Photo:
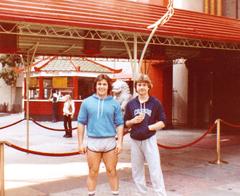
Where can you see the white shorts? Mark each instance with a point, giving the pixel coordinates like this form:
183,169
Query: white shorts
101,144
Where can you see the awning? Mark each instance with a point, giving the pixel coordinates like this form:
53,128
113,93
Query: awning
100,28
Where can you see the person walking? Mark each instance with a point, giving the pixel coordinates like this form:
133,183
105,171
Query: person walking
102,116
145,115
68,114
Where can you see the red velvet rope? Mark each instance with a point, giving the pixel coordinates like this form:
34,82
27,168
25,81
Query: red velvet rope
37,123
41,153
12,124
50,128
45,153
189,144
229,124
76,152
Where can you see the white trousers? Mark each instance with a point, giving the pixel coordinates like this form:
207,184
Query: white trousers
147,150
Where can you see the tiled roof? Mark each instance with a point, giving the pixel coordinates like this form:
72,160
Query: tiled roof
59,65
64,64
91,66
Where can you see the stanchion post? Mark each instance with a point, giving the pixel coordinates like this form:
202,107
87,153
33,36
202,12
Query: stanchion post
218,161
2,189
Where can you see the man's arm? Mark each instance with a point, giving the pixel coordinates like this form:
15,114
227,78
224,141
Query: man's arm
120,138
81,130
161,118
156,126
137,119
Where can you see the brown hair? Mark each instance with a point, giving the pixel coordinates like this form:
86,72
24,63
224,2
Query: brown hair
143,78
103,77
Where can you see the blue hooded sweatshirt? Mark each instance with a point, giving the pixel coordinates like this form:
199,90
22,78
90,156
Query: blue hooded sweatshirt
153,111
101,116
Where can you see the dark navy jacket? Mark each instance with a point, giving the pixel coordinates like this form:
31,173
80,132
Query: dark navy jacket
153,111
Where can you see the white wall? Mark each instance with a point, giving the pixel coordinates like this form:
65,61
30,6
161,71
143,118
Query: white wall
194,5
8,93
180,94
5,93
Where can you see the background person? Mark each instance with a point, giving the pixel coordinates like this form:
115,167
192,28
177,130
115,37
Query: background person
54,97
144,115
68,113
102,115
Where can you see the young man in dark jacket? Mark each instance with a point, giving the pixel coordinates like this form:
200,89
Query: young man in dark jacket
145,115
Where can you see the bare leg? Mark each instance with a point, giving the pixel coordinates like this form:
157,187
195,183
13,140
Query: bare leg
110,160
94,160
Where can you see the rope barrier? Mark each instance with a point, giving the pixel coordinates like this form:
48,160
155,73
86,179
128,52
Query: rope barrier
218,161
41,153
50,128
37,123
188,144
229,124
12,124
75,153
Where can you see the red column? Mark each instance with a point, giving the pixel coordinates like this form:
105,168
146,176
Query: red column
40,83
75,88
161,77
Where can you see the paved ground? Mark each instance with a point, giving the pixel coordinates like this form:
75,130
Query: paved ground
186,171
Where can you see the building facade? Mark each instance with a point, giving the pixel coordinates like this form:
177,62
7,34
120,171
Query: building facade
208,88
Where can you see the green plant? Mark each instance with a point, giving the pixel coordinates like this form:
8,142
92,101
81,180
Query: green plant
9,63
9,76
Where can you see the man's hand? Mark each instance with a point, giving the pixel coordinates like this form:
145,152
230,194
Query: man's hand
138,119
118,147
82,149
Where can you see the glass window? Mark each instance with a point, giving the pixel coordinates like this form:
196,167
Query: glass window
70,82
33,83
59,82
47,87
47,83
34,93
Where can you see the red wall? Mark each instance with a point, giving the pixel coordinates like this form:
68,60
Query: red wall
8,42
42,110
161,77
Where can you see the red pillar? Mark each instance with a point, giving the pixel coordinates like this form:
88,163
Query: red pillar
75,88
161,77
40,82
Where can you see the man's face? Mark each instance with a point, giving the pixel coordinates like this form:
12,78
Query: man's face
102,88
142,88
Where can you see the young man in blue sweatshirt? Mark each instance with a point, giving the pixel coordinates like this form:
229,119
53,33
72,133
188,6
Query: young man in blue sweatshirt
102,116
145,115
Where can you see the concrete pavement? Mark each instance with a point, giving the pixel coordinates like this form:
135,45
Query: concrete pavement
186,171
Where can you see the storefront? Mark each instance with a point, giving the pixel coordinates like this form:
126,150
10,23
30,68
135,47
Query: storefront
74,77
